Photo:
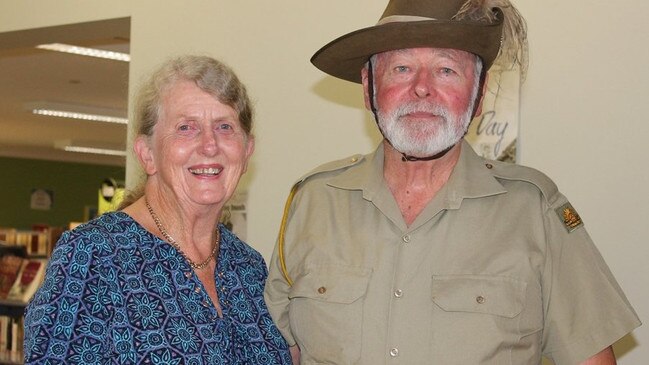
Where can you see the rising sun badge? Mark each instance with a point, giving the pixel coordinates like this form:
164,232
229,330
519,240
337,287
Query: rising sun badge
569,217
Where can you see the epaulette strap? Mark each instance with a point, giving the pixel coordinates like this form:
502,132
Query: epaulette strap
282,231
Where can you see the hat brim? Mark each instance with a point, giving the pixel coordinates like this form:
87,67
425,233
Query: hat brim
345,56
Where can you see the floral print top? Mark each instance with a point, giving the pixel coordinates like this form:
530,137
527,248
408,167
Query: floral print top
116,294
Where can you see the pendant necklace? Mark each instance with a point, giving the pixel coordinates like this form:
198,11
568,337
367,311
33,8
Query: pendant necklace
175,245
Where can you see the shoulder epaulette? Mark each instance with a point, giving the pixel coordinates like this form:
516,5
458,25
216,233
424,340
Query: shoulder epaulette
332,166
513,172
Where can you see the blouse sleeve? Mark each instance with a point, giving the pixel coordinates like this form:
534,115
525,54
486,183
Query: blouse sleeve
66,320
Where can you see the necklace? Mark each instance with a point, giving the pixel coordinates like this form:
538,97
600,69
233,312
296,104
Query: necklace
175,245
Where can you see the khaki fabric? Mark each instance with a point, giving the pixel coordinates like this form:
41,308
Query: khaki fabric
487,274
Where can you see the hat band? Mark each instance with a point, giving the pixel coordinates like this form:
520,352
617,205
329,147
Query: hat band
402,19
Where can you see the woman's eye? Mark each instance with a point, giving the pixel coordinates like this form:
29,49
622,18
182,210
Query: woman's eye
184,127
225,127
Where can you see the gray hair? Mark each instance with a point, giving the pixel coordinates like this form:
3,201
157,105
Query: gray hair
209,74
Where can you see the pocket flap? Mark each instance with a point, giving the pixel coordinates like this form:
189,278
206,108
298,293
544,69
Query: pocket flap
331,283
497,295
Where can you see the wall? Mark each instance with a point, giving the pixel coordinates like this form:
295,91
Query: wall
74,186
581,115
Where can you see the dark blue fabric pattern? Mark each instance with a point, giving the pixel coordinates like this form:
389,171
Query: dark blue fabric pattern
116,294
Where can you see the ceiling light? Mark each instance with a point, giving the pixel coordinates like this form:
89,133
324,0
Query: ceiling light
99,151
89,147
82,112
83,51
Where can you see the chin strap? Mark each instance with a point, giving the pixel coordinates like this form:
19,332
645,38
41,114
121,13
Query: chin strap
408,158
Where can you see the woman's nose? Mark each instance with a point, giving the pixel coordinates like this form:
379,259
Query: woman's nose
209,144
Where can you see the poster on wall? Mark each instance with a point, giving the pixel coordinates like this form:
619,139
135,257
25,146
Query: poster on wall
493,133
234,214
41,199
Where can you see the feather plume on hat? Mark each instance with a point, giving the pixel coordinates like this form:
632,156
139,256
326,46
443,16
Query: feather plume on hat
514,48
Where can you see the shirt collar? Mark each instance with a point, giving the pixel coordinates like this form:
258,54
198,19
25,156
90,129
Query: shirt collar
472,177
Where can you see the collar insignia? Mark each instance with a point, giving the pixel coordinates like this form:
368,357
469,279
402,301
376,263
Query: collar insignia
569,217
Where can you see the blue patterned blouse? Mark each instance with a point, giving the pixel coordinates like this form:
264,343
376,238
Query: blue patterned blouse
116,294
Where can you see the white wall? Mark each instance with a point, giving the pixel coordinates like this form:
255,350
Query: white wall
582,112
583,118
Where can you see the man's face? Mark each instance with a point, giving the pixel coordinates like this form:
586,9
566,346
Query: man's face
424,96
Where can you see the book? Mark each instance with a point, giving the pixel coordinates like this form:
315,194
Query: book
29,278
10,266
4,332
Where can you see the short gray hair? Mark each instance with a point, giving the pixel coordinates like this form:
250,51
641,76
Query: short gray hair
209,74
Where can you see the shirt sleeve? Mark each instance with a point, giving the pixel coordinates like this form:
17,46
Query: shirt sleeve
585,308
276,297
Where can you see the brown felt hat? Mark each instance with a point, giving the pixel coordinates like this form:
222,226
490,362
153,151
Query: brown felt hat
411,24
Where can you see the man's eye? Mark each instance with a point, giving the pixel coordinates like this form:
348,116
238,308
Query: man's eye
447,71
401,68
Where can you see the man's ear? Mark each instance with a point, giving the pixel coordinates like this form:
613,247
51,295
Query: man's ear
366,93
478,108
144,154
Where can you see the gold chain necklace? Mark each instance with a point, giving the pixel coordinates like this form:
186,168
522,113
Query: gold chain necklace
175,245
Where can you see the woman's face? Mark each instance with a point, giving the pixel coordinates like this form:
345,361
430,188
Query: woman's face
198,149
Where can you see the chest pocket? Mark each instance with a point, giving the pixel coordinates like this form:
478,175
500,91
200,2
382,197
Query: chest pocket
326,313
495,295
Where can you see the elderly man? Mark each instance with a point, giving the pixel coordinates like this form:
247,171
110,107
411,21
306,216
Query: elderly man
423,252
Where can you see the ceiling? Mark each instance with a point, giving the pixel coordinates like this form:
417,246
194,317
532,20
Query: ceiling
29,75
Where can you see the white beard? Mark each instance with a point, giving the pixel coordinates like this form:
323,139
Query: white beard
423,138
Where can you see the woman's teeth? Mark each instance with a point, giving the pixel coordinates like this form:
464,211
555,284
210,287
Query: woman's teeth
206,171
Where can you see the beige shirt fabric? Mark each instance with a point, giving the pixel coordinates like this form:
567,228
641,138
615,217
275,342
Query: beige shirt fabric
489,272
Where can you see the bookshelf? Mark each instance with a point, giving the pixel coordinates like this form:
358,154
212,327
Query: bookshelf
21,272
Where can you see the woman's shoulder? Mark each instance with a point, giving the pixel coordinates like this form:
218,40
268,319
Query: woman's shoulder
101,233
237,248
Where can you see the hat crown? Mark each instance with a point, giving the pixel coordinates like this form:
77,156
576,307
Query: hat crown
434,9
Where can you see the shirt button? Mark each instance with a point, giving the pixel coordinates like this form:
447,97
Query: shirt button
406,238
489,166
480,299
398,293
322,290
394,352
188,274
206,304
197,289
354,159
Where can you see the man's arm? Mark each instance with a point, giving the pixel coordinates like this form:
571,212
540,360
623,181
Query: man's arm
604,357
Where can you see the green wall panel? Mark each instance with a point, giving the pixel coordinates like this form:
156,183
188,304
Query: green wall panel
75,186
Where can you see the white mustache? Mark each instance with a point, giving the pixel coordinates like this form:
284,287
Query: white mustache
410,108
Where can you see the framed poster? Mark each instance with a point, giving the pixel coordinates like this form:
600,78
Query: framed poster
493,134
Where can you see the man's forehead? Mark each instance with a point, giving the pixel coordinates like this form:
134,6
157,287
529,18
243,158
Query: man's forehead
450,53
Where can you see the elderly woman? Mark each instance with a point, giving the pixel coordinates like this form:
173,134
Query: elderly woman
161,281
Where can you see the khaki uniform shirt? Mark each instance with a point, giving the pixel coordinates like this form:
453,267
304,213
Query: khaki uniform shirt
497,269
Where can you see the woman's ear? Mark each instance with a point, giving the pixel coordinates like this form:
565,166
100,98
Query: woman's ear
144,154
250,148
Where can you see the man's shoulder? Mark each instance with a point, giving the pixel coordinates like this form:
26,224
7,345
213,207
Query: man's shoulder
332,168
512,173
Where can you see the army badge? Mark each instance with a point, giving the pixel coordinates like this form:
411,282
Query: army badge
569,217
